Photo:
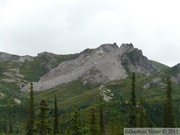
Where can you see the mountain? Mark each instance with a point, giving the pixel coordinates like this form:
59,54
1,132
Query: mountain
17,71
86,70
103,64
80,78
160,66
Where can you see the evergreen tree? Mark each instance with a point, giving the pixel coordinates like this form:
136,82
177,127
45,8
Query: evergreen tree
75,120
68,129
56,117
143,119
119,130
5,126
141,115
133,92
10,125
164,116
31,113
93,123
115,125
112,125
132,122
101,121
42,123
147,121
168,114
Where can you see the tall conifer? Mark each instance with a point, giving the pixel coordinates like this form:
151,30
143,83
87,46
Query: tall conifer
141,115
31,113
132,122
42,123
76,120
56,117
93,123
168,114
101,120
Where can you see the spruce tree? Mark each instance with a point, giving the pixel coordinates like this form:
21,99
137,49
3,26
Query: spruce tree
101,120
10,125
141,115
93,123
42,123
56,117
115,125
119,130
133,87
5,126
164,116
31,113
168,115
147,120
143,119
132,122
76,120
112,126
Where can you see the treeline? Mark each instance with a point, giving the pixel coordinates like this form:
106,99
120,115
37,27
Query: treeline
103,118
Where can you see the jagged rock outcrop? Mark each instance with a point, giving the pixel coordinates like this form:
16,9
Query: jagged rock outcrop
105,63
135,61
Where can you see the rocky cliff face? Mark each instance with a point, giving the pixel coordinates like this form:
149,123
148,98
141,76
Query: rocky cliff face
105,63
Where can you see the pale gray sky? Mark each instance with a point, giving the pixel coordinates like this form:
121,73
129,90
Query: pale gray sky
28,27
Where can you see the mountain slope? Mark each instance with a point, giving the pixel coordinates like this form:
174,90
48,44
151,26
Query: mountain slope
105,63
16,71
160,66
104,71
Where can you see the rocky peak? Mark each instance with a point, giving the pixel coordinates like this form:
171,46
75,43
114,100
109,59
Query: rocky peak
108,47
125,47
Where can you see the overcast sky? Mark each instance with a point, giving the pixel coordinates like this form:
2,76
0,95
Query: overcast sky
28,27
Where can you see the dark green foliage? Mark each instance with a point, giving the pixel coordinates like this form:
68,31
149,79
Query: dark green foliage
164,117
141,115
119,129
31,113
76,121
93,124
143,119
115,125
112,125
133,94
147,121
168,115
5,127
10,125
132,121
56,117
43,126
101,116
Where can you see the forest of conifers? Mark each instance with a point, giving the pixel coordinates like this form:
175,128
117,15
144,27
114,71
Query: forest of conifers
103,118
